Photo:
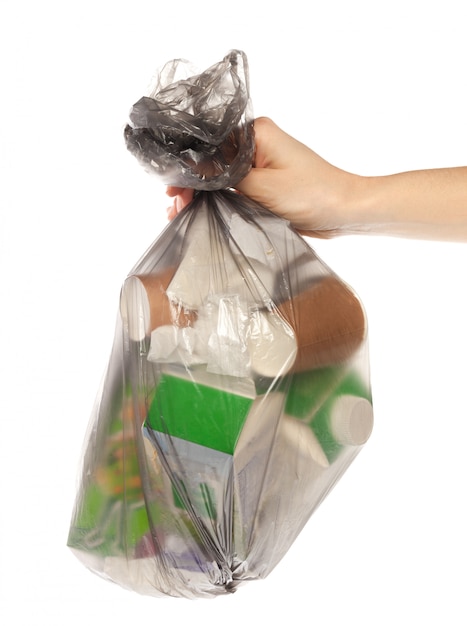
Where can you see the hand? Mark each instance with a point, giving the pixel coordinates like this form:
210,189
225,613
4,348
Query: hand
181,197
289,179
322,200
295,183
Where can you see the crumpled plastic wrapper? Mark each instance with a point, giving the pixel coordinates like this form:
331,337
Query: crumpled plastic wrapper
238,389
196,130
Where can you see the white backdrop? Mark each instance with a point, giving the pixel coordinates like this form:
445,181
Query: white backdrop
374,87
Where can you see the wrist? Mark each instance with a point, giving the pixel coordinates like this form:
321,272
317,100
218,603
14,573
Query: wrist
361,209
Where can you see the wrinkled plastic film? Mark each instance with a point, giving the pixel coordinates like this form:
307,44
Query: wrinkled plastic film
196,130
237,393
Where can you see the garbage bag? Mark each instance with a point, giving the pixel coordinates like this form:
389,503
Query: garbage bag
238,388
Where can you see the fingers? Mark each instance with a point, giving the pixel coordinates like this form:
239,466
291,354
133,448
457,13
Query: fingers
173,191
181,196
274,149
171,212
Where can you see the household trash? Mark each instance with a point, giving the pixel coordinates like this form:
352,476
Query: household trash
238,388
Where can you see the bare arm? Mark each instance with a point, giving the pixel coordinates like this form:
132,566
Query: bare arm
426,204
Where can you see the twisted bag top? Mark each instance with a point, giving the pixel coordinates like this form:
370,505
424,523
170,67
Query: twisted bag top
196,131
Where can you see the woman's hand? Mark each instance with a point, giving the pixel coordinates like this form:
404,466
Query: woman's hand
322,200
289,179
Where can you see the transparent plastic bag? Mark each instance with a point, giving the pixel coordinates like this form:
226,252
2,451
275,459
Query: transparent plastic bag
237,393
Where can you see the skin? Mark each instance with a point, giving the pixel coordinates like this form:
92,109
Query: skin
324,201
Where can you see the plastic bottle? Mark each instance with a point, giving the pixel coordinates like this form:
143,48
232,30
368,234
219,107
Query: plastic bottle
336,405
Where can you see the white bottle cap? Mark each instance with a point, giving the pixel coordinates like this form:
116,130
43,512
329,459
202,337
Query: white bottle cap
351,420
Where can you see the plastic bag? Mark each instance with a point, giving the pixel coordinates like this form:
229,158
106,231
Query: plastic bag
196,130
237,391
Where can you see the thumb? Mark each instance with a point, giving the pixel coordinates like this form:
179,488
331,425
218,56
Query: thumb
258,185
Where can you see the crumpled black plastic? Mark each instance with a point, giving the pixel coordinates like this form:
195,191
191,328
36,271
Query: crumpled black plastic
196,131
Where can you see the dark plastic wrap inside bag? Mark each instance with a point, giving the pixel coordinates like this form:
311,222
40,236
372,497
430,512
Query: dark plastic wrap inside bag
237,391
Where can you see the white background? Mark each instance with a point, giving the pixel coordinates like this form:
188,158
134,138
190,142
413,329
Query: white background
374,87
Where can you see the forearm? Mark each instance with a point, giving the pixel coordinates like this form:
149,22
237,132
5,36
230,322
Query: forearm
428,204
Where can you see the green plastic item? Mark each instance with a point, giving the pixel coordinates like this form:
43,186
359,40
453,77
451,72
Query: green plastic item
206,415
